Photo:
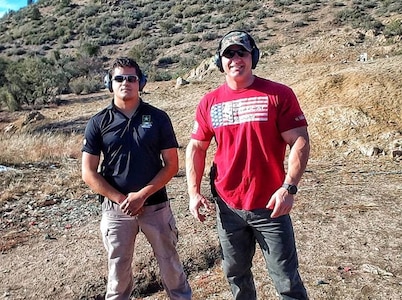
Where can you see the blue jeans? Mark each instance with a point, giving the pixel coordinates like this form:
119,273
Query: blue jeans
119,232
238,231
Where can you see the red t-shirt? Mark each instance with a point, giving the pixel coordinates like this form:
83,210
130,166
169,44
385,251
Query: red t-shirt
247,126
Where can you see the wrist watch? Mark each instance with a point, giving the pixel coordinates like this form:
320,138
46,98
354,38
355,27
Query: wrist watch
292,189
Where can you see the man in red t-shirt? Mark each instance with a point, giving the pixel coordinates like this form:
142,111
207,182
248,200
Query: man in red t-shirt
253,120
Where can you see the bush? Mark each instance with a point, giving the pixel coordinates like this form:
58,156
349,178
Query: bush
90,49
162,76
210,36
357,18
165,61
299,23
143,53
192,11
188,63
35,14
7,99
84,85
31,79
271,49
394,28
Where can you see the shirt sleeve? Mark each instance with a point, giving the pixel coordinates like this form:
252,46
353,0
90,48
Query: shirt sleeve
202,128
290,113
92,138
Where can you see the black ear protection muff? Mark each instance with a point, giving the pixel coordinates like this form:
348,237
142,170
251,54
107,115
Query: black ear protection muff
107,80
255,52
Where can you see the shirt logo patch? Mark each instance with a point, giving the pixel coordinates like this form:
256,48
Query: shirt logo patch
254,109
195,127
146,121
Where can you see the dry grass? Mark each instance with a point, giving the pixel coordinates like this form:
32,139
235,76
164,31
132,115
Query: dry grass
39,147
31,154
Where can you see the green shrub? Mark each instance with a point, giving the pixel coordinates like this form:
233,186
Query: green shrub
188,62
192,11
91,49
162,76
7,99
165,61
357,18
298,24
77,86
19,51
394,28
35,13
271,49
209,36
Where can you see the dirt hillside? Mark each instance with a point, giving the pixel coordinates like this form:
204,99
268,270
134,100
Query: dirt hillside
347,217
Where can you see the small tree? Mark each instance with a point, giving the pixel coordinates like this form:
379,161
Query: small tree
33,80
35,14
65,3
8,100
91,49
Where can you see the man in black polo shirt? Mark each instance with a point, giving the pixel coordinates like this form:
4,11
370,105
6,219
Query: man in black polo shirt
139,149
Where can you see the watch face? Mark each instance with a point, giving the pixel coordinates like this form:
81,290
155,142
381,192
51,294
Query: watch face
292,189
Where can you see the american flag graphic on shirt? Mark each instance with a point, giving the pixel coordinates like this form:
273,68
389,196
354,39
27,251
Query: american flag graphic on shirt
253,109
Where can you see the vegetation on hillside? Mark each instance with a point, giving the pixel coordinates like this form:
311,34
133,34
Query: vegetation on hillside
53,47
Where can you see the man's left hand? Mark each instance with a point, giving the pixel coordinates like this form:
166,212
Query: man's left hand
132,205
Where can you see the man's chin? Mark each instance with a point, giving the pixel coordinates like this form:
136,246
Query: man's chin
237,75
127,96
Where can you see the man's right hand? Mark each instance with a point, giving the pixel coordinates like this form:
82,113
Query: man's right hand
196,202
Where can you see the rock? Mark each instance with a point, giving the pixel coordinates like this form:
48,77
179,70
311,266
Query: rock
203,69
396,153
180,81
32,117
10,128
370,150
375,270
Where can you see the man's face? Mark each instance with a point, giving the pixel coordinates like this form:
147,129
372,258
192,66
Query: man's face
237,62
127,86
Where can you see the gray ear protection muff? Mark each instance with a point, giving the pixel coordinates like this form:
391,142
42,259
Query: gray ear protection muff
255,53
107,80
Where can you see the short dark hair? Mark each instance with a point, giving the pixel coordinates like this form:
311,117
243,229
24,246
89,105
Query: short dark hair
122,62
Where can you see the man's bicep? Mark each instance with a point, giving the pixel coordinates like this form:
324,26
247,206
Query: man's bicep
198,145
90,162
170,156
290,136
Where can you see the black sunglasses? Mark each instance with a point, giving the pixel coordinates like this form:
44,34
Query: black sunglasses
129,78
231,53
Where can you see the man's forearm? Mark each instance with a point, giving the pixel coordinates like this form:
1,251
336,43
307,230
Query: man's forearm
159,181
297,162
99,185
195,164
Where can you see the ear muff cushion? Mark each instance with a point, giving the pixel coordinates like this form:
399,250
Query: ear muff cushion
108,82
142,82
255,56
218,61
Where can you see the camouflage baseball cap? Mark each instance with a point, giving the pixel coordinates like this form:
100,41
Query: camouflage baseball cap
236,38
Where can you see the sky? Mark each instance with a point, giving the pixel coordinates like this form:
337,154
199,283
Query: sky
6,5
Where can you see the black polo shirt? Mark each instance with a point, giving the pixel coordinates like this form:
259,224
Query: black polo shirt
131,147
